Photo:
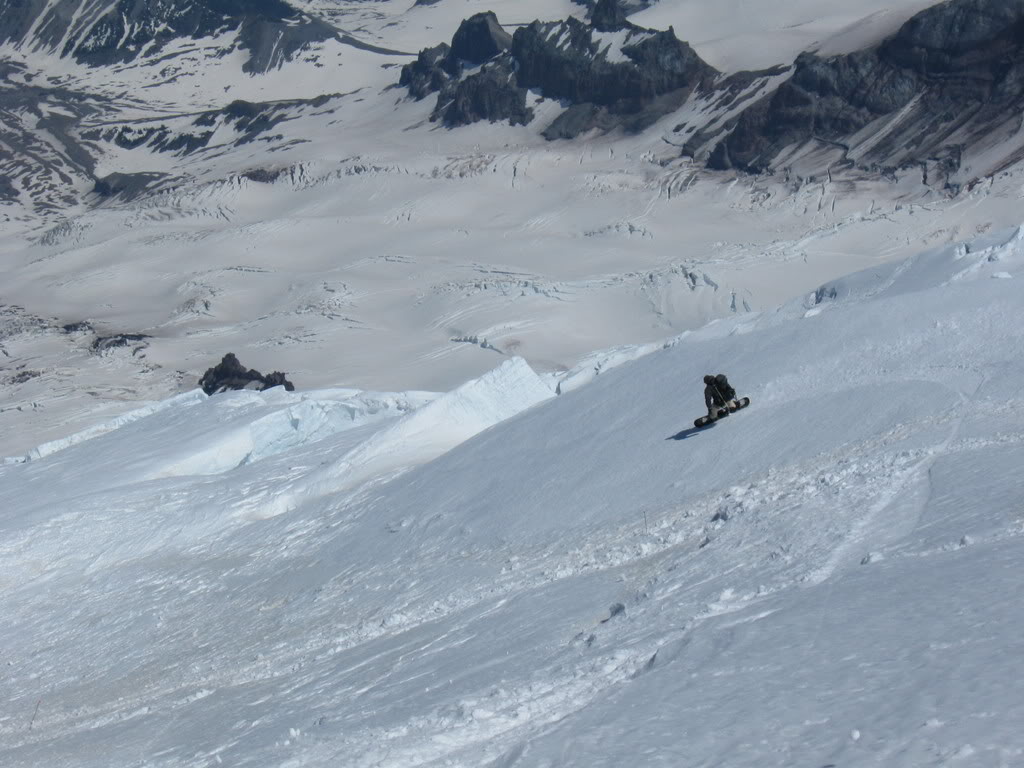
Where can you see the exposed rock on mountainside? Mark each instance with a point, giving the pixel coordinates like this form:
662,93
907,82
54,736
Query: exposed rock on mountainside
41,155
492,93
231,374
611,72
628,6
127,186
7,190
246,120
101,33
429,73
480,38
950,79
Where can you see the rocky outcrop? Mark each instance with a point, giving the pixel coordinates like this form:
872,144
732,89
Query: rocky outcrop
479,39
626,76
249,121
137,342
627,7
608,16
127,186
98,34
8,192
231,374
610,72
951,78
492,93
430,73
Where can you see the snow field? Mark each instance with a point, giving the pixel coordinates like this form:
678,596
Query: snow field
828,576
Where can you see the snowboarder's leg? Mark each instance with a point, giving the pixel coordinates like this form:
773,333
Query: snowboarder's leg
717,411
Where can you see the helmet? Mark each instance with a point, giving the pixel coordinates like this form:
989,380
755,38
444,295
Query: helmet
709,379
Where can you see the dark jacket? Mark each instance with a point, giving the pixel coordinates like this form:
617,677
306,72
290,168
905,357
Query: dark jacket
719,391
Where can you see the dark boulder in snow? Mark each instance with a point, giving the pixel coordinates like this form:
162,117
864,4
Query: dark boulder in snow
231,374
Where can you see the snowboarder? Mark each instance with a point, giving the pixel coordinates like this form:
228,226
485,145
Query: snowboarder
719,394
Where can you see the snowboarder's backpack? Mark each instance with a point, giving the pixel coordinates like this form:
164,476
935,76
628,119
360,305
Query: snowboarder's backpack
724,387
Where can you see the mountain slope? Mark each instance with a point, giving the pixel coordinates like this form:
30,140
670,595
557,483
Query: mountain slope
103,33
942,93
825,577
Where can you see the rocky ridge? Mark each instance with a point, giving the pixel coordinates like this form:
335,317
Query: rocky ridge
611,72
945,93
100,33
948,84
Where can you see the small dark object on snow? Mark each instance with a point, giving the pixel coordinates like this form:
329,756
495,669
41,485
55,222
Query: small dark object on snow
230,374
103,343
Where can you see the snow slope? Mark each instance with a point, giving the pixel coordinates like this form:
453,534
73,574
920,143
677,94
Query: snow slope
826,578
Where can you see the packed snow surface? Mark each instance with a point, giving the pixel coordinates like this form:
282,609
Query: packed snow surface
499,576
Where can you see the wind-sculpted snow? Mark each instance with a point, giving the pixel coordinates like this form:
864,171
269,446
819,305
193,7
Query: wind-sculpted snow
988,257
214,435
58,445
499,576
431,430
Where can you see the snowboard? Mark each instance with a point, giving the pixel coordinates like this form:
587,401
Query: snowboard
704,421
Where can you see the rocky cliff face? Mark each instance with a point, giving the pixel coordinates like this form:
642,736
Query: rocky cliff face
628,6
951,78
491,93
945,93
611,72
100,33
